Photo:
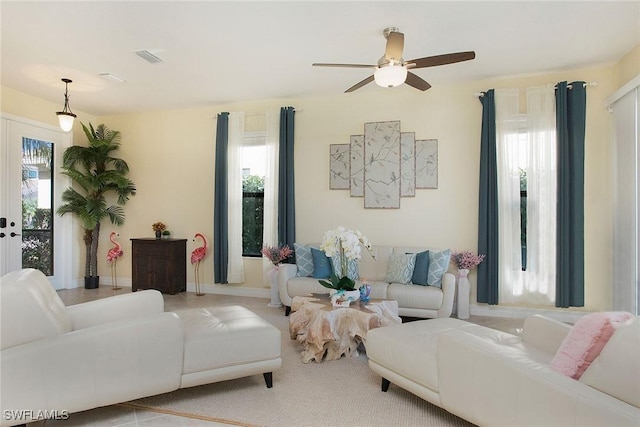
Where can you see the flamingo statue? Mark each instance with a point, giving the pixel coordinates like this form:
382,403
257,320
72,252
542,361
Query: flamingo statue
198,255
112,258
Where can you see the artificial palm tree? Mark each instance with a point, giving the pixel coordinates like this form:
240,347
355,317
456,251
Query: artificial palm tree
96,175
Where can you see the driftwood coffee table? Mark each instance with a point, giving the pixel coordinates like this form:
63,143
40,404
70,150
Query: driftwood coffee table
328,333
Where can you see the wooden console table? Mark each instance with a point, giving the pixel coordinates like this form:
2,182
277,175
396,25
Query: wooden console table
159,264
328,333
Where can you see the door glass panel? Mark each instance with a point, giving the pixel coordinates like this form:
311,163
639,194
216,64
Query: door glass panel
37,212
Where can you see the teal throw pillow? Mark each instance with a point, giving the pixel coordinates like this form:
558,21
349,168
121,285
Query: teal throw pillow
400,268
304,260
353,272
421,269
438,265
321,264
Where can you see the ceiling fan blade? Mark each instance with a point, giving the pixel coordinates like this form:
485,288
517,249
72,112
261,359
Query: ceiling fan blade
360,84
417,82
447,58
322,64
395,45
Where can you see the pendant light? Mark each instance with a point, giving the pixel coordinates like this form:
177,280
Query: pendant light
66,116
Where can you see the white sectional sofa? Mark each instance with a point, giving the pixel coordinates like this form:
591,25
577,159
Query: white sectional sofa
57,358
492,378
413,300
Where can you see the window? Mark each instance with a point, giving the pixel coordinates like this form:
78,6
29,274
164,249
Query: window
253,175
37,213
527,169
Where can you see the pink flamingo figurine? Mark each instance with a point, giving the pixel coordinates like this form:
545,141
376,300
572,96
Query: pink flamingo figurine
196,256
112,258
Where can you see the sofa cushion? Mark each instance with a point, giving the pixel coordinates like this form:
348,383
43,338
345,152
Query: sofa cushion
304,260
616,370
31,309
415,296
410,349
421,269
584,342
438,265
321,264
379,290
400,268
216,337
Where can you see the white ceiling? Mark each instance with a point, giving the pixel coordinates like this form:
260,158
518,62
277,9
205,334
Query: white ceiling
218,52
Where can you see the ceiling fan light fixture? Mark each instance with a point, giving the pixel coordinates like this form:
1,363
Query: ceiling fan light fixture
66,116
390,75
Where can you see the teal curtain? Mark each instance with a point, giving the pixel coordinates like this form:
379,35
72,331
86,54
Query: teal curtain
221,203
488,204
286,179
571,100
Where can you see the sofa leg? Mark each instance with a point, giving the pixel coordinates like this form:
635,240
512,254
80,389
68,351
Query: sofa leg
385,384
287,310
268,378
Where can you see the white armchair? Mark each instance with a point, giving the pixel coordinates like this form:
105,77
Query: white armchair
57,359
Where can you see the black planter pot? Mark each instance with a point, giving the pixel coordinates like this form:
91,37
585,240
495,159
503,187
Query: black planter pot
91,282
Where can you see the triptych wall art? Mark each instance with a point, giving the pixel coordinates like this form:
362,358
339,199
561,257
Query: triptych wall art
384,165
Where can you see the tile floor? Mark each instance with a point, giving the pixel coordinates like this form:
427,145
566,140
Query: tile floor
123,416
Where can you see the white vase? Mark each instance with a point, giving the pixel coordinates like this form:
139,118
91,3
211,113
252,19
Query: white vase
275,295
352,295
464,292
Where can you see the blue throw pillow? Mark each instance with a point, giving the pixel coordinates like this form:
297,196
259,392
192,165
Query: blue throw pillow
304,260
438,265
421,269
321,264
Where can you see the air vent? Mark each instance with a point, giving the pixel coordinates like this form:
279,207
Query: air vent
112,77
148,56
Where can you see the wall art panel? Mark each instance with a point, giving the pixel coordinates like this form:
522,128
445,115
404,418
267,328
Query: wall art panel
382,165
339,165
427,163
357,165
407,164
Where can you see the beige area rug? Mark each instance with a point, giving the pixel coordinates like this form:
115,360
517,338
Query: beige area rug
341,392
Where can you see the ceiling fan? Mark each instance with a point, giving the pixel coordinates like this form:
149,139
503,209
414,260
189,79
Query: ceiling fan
392,70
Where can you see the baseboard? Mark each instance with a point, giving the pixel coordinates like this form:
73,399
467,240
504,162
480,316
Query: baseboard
191,287
563,315
231,290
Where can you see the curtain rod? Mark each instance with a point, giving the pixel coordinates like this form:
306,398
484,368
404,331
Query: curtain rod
586,84
215,116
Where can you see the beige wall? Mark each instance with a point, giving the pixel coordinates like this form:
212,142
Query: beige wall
627,68
171,155
29,107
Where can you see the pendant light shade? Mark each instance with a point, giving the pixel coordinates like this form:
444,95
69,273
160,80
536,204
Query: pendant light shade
66,116
390,75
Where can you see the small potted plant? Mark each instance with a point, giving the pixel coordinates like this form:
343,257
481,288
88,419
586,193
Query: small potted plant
158,227
466,261
166,234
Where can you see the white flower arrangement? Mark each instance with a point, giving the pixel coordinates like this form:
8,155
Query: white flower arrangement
345,242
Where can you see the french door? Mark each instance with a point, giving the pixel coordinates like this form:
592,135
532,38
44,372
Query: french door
31,234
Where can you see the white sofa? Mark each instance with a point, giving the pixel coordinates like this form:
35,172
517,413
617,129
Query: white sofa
492,378
413,300
55,358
